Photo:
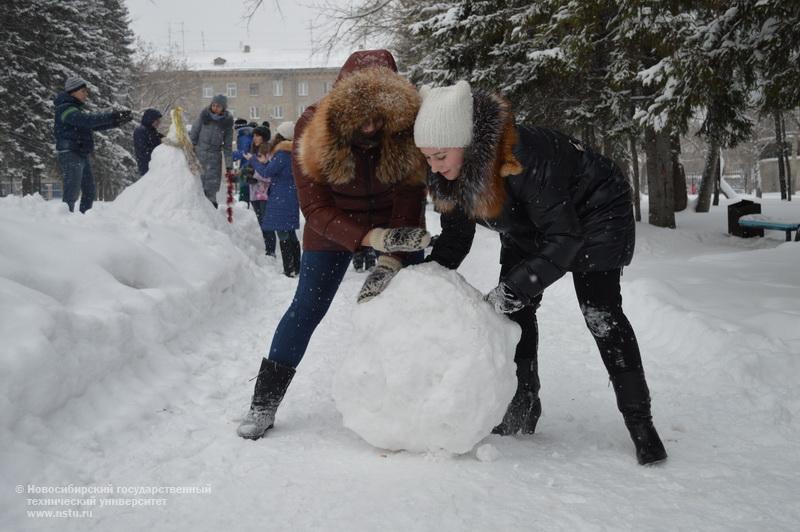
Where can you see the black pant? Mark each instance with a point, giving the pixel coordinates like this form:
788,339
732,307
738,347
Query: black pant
600,300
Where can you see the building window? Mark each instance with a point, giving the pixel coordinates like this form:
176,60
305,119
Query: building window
208,91
300,110
254,112
326,87
231,90
302,88
277,87
254,89
277,111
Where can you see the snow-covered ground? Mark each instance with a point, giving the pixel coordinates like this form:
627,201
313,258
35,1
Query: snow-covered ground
129,335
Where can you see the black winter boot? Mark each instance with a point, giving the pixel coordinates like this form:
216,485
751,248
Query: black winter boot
271,385
525,407
290,255
297,257
633,401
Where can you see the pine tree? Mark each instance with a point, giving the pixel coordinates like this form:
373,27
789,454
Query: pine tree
44,42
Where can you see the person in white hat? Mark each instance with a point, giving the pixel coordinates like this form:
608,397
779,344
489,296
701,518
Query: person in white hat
559,207
73,131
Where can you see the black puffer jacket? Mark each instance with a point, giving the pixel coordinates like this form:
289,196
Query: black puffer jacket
557,205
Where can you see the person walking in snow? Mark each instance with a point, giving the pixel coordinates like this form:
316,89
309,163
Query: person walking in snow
145,138
282,214
360,181
212,137
73,130
559,207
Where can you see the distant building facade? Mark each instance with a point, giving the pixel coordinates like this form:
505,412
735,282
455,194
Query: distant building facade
270,86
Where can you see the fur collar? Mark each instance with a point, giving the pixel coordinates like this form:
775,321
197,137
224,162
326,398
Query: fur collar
284,145
480,187
325,151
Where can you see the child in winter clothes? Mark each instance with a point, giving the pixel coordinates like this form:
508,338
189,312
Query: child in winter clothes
145,139
258,185
282,214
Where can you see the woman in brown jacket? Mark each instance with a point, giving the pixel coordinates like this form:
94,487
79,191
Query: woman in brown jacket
361,183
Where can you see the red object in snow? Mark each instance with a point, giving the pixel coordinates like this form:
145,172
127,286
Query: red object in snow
229,198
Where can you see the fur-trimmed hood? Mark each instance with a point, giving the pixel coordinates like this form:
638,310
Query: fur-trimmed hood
480,188
325,148
284,145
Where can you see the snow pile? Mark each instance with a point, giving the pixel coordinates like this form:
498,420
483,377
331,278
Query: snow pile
85,298
431,365
171,193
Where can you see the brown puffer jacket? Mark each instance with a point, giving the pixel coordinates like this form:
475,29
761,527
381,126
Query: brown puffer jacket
345,190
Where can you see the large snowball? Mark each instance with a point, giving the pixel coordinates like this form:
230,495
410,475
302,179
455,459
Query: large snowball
431,366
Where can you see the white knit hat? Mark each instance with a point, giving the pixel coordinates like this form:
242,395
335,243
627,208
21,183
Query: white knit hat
286,130
444,119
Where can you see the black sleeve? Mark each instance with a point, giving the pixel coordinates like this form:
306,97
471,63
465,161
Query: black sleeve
455,241
550,209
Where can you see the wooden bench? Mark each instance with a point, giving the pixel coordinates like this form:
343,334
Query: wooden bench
760,221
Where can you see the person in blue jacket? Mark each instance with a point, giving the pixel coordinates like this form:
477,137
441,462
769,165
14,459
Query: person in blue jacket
145,138
74,141
282,214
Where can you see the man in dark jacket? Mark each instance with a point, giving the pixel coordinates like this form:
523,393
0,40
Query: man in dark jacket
145,138
559,207
74,141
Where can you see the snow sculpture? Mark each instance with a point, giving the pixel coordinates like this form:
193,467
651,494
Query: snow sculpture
431,366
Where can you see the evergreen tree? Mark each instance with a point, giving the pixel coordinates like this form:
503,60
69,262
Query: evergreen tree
44,42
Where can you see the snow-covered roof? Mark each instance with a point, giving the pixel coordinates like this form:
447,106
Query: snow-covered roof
261,59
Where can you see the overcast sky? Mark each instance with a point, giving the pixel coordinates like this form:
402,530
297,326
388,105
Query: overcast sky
219,25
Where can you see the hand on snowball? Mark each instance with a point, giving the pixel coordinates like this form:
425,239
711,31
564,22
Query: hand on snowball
503,299
378,279
398,239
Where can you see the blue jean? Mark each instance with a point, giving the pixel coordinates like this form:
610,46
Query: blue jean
321,273
77,174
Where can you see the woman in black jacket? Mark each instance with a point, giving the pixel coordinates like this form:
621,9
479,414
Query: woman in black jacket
558,207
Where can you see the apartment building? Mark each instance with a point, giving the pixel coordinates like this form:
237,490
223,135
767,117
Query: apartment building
274,86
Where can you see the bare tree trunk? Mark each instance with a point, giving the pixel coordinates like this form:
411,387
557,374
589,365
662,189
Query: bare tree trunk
678,175
717,182
785,145
637,197
707,181
660,183
779,141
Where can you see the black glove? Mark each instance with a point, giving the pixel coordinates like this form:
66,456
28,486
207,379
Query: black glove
399,239
251,180
122,116
503,299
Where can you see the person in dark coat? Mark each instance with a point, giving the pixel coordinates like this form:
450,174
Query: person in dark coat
244,139
212,137
559,207
145,138
72,129
360,183
282,213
